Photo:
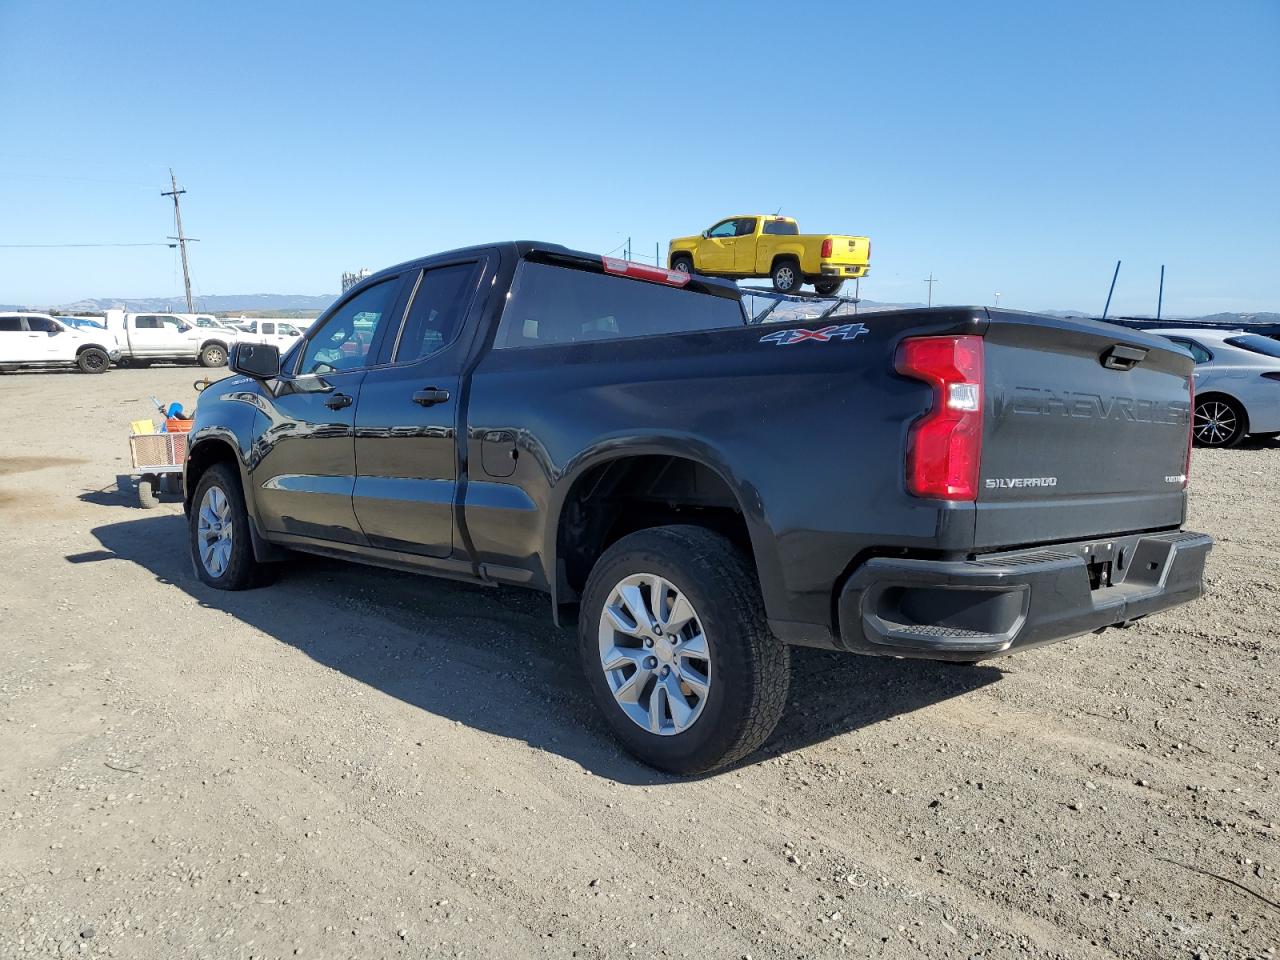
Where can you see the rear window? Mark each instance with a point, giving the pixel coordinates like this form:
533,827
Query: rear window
1256,343
10,324
557,305
782,228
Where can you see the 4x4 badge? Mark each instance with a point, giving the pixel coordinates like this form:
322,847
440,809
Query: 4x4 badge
845,331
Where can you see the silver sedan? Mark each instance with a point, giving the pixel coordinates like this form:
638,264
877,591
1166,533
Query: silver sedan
1237,384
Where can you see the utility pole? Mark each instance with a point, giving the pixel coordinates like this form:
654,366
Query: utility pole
931,280
181,237
1160,295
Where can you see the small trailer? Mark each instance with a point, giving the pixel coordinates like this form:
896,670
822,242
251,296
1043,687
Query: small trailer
157,464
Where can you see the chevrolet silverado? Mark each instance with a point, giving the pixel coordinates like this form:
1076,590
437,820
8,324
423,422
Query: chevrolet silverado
952,483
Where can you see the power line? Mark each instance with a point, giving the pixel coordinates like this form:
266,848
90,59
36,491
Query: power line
32,246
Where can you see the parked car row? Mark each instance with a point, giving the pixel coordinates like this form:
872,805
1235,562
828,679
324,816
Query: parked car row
92,344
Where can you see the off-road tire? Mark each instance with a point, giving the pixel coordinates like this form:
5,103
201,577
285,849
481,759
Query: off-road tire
243,570
93,360
750,668
781,271
213,355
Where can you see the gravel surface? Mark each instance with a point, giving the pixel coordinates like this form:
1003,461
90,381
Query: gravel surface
357,763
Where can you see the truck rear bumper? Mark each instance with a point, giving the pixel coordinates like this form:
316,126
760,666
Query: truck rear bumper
843,270
998,603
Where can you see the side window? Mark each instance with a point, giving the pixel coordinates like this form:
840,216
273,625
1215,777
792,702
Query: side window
746,226
40,324
174,322
721,230
1200,353
146,323
343,342
288,329
441,301
10,324
269,328
559,305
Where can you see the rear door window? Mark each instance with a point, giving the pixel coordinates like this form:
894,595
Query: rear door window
41,324
558,305
1198,353
10,324
440,302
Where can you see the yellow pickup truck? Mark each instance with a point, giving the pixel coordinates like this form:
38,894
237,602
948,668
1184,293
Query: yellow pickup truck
774,247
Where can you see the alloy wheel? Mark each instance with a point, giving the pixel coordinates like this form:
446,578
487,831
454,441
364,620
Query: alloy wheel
1215,423
654,654
215,532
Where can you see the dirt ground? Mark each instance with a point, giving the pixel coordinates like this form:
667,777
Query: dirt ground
356,763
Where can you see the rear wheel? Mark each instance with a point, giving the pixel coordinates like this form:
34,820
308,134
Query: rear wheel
828,287
93,360
214,355
218,528
683,264
786,276
1219,422
674,643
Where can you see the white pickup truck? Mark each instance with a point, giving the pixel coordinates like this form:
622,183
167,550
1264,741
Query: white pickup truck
148,337
278,333
38,340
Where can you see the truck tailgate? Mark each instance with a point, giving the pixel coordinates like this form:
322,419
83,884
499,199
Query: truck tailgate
1085,431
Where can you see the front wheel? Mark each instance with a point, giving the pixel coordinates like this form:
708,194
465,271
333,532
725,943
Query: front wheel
214,355
676,650
93,360
1219,422
828,288
218,528
682,264
786,277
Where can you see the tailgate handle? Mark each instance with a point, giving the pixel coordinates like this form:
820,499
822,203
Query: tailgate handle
1121,357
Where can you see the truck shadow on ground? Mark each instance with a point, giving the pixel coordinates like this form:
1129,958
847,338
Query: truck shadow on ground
492,659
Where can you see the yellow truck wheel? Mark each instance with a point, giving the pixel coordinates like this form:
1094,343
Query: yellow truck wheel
787,277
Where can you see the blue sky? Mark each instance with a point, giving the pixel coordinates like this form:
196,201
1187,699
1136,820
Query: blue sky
1017,147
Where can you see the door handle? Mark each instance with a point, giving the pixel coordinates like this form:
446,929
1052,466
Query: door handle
337,401
430,396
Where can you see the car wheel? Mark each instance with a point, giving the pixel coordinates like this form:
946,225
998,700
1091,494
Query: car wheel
786,277
1219,422
93,360
218,526
828,288
214,355
683,264
674,643
147,492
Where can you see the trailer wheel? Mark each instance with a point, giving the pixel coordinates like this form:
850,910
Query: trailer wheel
787,277
147,492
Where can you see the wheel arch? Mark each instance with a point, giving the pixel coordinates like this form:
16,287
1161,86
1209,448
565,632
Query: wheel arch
214,447
595,474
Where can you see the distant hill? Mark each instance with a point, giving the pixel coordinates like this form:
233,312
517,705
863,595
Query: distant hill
232,303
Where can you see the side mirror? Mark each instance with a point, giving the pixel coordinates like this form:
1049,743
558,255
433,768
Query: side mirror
705,234
184,328
55,331
258,360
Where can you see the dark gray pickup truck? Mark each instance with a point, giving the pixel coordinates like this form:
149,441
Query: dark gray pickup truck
952,483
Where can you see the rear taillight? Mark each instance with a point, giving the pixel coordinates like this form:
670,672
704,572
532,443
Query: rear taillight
944,447
826,247
642,271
